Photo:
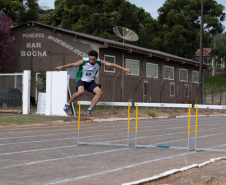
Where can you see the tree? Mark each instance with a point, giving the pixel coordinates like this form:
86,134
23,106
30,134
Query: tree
30,11
218,47
98,17
12,8
6,53
180,22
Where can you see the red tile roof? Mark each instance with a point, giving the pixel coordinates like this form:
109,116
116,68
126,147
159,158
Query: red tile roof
206,51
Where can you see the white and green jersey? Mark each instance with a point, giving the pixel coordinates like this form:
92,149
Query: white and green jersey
87,72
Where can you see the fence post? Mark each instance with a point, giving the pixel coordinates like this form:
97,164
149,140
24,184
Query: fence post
161,101
134,91
197,93
205,91
221,94
113,95
212,91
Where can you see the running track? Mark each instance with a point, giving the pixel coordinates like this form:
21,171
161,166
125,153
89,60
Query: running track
49,155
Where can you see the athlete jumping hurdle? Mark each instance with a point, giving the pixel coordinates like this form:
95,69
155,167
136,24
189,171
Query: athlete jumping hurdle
88,68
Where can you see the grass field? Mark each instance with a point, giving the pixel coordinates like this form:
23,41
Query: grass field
14,120
220,81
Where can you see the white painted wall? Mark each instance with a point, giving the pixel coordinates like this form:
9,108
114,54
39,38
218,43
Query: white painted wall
56,92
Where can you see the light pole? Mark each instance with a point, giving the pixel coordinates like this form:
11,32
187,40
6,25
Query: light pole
200,98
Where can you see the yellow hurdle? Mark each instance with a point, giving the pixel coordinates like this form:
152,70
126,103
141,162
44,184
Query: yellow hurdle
128,116
101,143
136,125
189,120
79,109
136,116
196,121
189,125
196,127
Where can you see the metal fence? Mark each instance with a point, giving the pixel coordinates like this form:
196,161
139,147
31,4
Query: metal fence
11,92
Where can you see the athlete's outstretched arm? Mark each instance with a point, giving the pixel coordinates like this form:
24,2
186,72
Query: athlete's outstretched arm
78,63
115,66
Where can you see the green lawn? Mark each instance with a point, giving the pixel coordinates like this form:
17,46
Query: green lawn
220,81
7,121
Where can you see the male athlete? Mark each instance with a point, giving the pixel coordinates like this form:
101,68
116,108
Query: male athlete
88,68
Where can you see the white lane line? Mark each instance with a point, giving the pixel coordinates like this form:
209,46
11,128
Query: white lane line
62,158
94,131
109,130
38,150
33,136
83,131
5,138
117,169
86,126
4,144
190,138
55,130
144,137
39,141
175,133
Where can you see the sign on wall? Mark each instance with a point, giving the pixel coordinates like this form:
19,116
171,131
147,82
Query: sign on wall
34,49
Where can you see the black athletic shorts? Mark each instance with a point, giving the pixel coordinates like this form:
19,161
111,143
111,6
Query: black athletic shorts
89,86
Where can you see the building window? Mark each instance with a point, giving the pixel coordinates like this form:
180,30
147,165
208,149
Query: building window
169,72
172,89
145,88
110,59
195,76
183,75
133,65
152,70
186,86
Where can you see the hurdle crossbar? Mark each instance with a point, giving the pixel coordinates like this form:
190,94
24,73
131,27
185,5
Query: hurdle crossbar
219,107
198,106
123,104
104,104
163,105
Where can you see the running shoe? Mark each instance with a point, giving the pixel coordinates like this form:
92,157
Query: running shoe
89,111
66,107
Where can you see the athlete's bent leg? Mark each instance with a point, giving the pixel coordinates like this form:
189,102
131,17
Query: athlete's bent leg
98,93
77,94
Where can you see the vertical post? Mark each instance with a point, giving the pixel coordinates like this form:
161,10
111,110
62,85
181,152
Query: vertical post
128,125
79,110
189,126
136,124
200,99
196,127
26,92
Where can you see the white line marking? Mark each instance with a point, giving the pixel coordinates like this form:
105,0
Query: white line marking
40,141
4,144
62,158
116,169
4,138
37,150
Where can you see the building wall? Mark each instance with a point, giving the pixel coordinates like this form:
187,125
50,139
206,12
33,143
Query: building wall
155,86
39,48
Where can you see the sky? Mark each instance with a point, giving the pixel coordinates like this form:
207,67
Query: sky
150,6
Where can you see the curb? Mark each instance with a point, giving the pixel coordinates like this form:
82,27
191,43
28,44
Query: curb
171,172
161,117
121,119
217,115
192,116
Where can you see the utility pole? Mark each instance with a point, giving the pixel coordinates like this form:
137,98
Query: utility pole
200,98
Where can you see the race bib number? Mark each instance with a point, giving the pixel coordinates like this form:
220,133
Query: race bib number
89,74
